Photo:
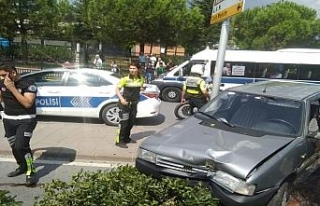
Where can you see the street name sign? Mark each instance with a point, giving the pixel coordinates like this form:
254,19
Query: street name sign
223,9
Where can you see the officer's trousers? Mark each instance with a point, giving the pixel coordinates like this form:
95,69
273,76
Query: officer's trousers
19,133
196,103
127,116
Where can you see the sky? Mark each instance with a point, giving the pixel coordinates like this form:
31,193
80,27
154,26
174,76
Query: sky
315,4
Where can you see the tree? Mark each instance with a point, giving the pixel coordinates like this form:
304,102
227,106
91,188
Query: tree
37,18
282,24
210,32
127,22
150,21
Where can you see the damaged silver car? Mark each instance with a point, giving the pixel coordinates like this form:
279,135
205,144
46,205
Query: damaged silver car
250,143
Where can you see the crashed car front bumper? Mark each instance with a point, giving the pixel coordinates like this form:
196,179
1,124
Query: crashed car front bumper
154,170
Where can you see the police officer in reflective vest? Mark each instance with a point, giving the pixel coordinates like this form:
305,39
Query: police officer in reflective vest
128,100
194,89
19,119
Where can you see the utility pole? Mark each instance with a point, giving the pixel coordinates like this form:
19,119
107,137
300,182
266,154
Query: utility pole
220,58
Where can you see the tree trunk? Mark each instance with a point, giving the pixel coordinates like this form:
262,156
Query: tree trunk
24,47
141,47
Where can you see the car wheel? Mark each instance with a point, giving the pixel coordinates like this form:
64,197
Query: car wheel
110,114
281,197
182,111
171,94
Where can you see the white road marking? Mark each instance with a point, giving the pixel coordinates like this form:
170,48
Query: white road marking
80,164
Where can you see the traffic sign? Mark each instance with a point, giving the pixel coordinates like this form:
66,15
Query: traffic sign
223,9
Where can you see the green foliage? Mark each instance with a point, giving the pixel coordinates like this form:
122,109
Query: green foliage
124,186
282,24
38,53
208,33
6,200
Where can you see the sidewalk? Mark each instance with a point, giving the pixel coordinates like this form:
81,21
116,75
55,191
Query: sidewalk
78,142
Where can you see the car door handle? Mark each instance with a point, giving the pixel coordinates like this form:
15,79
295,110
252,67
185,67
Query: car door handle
104,92
221,85
53,92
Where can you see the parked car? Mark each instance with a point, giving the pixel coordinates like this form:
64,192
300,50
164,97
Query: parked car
86,93
250,143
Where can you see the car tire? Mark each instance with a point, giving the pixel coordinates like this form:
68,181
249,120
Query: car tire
182,111
281,197
171,94
110,114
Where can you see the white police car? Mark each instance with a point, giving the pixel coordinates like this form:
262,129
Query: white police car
86,93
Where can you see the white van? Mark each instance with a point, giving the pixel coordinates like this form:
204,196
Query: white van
171,83
245,66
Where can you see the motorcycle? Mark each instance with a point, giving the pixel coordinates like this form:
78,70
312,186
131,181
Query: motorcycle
183,110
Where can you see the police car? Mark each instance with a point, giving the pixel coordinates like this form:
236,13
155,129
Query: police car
86,93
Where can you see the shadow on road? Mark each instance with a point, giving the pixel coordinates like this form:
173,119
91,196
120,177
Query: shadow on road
69,119
151,121
141,135
58,154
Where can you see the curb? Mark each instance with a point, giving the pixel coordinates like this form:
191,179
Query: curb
68,157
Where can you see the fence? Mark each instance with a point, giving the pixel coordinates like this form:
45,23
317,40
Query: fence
46,54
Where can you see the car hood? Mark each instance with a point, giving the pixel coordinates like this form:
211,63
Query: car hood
193,143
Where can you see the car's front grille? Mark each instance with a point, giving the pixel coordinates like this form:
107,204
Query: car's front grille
179,166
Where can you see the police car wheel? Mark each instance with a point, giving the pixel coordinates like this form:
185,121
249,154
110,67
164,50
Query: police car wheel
110,114
171,94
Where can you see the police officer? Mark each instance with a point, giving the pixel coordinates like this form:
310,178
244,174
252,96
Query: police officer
128,100
19,119
194,89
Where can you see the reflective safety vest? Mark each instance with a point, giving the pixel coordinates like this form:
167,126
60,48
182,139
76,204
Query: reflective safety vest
194,86
131,87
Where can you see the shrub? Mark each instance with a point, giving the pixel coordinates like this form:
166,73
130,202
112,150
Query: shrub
7,200
124,186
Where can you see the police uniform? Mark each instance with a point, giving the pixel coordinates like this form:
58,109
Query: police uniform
193,87
131,93
19,123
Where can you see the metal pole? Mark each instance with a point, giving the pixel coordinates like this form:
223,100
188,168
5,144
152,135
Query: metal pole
77,54
220,58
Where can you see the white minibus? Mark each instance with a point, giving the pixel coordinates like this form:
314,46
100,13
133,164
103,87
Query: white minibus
244,66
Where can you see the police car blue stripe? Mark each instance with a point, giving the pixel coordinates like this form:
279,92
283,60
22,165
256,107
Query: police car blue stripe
75,101
86,102
53,101
237,80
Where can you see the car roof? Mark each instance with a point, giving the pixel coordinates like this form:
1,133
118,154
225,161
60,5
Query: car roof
284,89
62,69
78,69
111,76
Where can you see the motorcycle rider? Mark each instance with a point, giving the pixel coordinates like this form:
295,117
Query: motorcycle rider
194,89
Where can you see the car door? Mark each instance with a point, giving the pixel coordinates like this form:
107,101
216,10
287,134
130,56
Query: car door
49,85
84,93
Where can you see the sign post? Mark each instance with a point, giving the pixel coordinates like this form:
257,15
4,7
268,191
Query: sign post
222,10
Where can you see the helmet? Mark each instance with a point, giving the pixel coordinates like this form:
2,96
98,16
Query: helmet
197,69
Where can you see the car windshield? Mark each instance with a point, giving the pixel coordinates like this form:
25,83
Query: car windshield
259,114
